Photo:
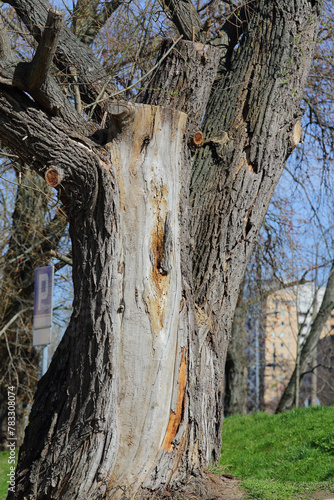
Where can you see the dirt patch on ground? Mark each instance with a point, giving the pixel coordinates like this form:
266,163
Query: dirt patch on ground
208,486
319,495
205,486
213,487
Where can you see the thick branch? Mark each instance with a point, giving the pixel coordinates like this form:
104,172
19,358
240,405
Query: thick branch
235,25
46,49
33,78
70,51
44,142
185,80
186,19
98,21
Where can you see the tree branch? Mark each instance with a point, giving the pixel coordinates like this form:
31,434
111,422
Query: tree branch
62,257
32,77
186,19
311,341
99,20
70,52
5,50
40,65
12,320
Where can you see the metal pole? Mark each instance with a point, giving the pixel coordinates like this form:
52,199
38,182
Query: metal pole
45,360
257,366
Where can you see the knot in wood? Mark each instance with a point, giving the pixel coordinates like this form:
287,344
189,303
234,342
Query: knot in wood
197,139
53,176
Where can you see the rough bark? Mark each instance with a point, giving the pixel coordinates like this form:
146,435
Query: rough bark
71,53
90,200
309,347
248,130
189,73
236,370
132,402
28,247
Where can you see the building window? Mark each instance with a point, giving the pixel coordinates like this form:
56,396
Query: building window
282,356
274,334
282,345
282,335
282,323
281,378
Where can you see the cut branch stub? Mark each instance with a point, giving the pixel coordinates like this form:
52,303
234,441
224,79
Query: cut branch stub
54,176
120,115
40,65
196,139
297,134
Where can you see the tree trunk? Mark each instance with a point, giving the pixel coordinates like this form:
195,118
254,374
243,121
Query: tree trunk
30,240
132,402
236,370
309,347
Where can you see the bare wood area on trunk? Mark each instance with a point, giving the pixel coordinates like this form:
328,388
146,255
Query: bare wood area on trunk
147,157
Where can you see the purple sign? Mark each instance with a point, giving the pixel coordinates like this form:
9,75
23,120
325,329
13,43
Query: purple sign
43,305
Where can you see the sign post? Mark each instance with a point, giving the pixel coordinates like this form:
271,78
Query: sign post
43,310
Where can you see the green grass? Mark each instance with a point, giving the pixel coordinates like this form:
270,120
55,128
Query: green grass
281,456
278,457
4,470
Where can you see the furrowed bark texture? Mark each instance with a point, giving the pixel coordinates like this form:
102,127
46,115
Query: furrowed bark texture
75,407
248,135
247,138
30,241
184,85
71,53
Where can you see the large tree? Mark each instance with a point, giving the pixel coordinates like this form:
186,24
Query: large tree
165,195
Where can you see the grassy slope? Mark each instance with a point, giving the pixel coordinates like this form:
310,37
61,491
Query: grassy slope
4,469
279,456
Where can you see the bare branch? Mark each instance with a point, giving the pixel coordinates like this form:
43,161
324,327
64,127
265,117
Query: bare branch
99,20
62,257
46,49
12,320
32,77
70,52
5,50
99,100
185,17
